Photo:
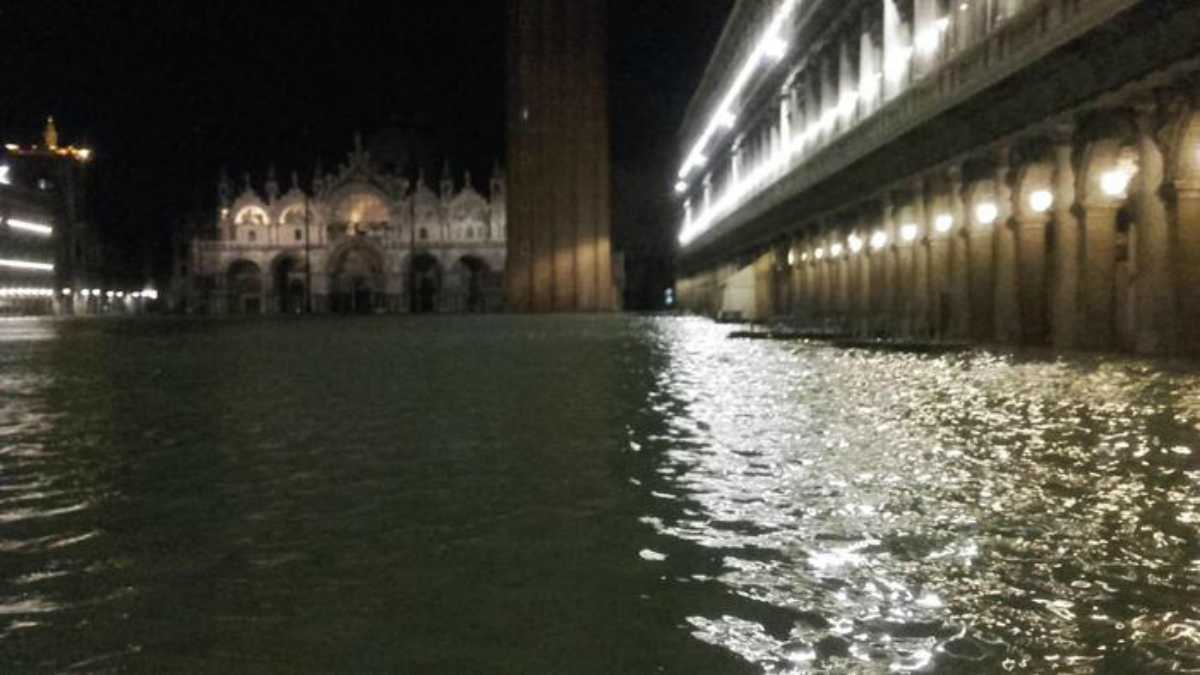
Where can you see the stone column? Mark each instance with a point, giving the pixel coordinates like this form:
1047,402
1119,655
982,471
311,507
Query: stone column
1156,308
812,102
785,120
920,248
894,47
847,83
925,17
865,281
1097,279
1031,279
1007,308
1068,251
959,281
1187,261
869,77
981,254
891,270
829,91
940,291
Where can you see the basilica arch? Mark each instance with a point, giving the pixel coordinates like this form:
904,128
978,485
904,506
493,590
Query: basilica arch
244,282
425,278
289,284
357,281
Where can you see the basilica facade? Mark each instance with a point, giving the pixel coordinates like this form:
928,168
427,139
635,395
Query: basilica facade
361,240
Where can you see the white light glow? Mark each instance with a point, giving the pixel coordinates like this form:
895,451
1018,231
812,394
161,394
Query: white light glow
777,48
909,232
897,65
1041,201
791,258
681,187
4,179
728,119
96,292
803,257
769,44
855,242
944,223
28,226
871,87
987,213
150,293
26,292
879,240
835,250
85,293
819,254
943,24
1115,182
26,265
66,291
846,105
928,41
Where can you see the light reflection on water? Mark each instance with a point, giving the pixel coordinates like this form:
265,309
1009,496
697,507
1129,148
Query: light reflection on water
967,512
586,495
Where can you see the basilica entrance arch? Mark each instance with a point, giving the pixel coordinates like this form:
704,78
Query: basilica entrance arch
356,279
244,281
288,284
473,272
425,277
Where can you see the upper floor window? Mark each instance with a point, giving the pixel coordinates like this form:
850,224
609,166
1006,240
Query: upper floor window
252,236
299,235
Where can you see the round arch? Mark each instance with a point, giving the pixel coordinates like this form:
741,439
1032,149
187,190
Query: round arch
289,284
356,278
425,280
244,282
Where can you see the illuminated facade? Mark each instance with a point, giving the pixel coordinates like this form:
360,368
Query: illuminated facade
1020,171
50,256
361,241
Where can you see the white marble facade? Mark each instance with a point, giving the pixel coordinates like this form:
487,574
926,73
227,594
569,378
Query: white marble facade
363,241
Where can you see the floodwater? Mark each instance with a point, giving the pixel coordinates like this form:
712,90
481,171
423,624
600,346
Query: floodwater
585,495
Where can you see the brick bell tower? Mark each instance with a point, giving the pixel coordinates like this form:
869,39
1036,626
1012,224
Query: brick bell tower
559,176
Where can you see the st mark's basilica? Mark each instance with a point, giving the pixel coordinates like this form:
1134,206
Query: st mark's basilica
364,239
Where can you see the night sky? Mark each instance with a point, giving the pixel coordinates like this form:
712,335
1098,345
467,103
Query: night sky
169,93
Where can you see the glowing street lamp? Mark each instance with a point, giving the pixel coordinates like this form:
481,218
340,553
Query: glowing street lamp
879,240
856,243
987,213
944,223
909,232
835,250
1115,182
1041,201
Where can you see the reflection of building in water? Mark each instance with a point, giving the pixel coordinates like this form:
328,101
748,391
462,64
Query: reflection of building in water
374,242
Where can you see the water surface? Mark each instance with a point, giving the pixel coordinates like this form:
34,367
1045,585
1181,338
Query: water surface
521,494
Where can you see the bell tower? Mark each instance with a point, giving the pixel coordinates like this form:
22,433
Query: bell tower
559,176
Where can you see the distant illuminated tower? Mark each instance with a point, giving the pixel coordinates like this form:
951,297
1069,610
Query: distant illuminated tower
50,135
559,182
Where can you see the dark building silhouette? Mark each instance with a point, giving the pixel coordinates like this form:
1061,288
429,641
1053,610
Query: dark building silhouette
560,256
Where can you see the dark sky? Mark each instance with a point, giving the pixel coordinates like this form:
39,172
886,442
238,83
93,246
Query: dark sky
169,92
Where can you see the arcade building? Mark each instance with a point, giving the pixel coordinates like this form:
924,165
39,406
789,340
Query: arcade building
362,240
